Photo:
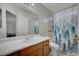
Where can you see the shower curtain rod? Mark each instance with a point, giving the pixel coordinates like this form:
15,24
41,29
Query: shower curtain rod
66,8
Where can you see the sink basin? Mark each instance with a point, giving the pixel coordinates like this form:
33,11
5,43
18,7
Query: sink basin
27,40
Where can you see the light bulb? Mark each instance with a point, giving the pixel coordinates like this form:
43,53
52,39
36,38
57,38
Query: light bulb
32,4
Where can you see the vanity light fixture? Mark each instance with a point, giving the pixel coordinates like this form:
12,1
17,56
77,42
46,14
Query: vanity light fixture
30,4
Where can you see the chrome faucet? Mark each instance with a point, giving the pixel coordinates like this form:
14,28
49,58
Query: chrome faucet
27,38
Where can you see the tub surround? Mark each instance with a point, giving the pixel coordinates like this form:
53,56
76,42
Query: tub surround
20,43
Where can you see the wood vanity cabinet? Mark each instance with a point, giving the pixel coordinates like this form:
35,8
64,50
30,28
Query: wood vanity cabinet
40,49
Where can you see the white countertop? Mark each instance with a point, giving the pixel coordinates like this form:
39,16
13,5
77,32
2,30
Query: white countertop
9,47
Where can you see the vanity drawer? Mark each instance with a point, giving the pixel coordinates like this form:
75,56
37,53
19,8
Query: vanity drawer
46,42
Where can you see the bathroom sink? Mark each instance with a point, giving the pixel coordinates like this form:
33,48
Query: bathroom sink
27,39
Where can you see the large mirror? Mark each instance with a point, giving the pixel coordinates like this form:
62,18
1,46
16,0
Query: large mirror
11,24
0,18
36,27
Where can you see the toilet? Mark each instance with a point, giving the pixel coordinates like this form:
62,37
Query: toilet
54,48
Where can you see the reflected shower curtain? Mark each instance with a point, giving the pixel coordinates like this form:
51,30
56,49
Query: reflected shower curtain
65,27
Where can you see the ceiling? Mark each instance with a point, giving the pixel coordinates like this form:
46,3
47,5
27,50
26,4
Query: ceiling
38,9
44,9
55,7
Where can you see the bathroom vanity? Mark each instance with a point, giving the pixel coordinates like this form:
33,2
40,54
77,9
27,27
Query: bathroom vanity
39,49
35,46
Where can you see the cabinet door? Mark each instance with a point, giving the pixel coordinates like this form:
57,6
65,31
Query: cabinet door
46,48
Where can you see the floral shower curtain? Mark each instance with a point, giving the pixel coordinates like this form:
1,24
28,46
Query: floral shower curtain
65,27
